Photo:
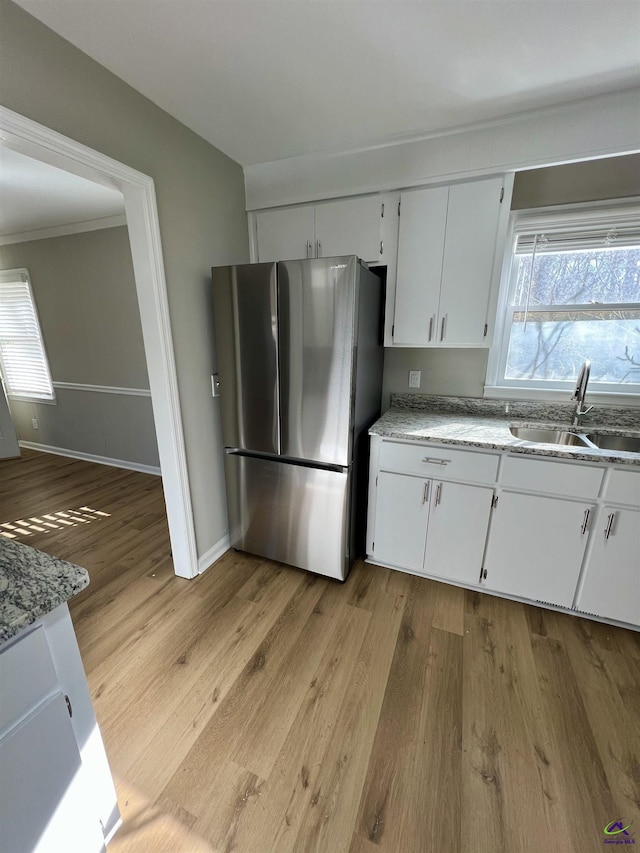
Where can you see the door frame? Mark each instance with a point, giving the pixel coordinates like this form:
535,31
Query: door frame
41,143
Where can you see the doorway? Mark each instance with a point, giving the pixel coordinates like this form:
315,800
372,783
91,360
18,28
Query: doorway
40,143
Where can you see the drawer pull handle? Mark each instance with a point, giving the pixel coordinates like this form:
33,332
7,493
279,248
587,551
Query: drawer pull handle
433,461
607,532
444,320
585,523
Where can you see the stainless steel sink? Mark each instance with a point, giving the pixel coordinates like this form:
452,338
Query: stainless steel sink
549,436
615,442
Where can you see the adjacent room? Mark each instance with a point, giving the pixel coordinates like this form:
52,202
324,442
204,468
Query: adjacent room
319,426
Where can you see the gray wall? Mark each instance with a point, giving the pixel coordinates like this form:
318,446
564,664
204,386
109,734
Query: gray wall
461,372
200,195
593,180
85,292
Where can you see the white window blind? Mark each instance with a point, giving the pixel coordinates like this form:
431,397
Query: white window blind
23,360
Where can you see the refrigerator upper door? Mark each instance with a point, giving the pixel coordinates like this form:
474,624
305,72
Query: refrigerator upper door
245,306
316,306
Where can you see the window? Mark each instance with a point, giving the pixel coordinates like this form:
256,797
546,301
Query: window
23,360
573,293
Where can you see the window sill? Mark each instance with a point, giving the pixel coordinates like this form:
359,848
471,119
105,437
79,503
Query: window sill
19,398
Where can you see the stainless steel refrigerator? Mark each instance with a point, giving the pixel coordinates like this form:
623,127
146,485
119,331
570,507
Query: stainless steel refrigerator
299,347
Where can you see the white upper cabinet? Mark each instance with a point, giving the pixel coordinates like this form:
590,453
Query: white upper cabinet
285,234
446,249
421,239
345,227
350,227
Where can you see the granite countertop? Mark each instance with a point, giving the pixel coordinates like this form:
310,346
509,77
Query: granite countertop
481,423
32,584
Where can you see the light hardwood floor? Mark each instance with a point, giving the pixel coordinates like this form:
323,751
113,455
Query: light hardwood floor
260,708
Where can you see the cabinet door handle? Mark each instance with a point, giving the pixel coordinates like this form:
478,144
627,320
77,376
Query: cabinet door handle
309,248
433,461
431,327
607,531
318,249
585,521
438,494
425,492
69,707
444,320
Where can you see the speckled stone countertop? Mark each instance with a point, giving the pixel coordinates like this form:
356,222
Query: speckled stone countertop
32,584
484,424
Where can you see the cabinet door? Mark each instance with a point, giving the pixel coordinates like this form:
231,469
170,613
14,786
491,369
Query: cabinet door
458,523
349,227
612,580
402,511
44,804
423,216
469,248
535,549
285,235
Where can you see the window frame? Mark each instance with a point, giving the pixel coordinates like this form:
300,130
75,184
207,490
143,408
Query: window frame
22,274
607,213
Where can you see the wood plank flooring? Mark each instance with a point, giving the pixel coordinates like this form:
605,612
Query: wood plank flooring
260,708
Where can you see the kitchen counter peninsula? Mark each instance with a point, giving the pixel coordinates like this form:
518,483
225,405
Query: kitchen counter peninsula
33,584
56,788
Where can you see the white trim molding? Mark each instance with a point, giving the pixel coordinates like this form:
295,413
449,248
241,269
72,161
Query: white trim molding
34,140
214,553
64,230
92,457
103,389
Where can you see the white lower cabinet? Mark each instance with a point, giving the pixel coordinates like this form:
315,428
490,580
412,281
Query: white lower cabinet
551,531
457,531
536,547
45,804
56,789
611,587
431,526
402,513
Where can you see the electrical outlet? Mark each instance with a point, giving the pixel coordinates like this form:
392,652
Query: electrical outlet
34,423
414,379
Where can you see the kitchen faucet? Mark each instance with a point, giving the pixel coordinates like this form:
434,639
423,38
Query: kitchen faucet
580,392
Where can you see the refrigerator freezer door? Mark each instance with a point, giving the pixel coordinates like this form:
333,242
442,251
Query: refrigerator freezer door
290,513
245,307
316,307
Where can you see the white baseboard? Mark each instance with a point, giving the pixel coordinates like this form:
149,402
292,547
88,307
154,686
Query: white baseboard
214,553
92,457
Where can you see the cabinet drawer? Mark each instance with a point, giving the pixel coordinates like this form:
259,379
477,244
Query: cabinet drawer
27,676
624,487
572,479
441,462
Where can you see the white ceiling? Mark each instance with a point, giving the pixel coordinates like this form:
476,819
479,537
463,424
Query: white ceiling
268,79
35,196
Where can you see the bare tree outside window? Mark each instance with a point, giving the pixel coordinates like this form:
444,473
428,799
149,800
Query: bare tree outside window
570,304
